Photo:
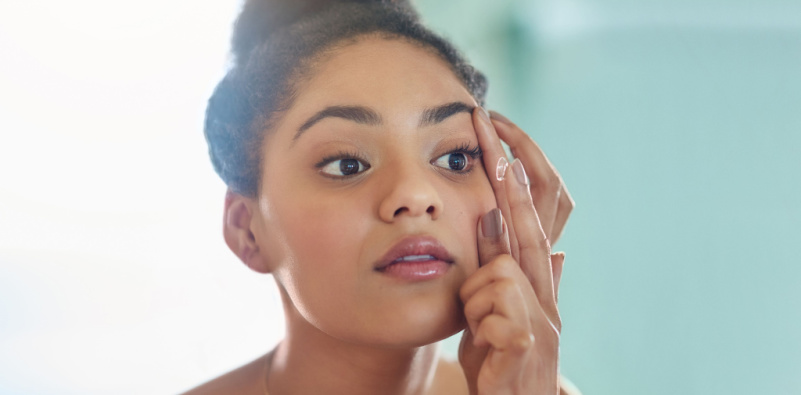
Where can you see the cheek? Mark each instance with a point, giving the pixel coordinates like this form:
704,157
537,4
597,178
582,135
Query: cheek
321,244
477,198
324,236
465,205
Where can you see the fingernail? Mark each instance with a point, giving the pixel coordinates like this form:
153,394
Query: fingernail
498,117
500,170
520,172
492,223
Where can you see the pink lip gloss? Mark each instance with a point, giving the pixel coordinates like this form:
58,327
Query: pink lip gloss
417,270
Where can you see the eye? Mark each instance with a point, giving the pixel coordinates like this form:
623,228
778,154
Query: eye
344,167
456,161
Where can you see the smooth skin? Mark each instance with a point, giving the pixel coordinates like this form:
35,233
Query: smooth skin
512,342
353,330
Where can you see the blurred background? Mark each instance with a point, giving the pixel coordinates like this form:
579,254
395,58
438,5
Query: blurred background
676,125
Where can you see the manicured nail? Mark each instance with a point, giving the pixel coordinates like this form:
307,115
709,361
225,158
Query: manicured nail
492,223
500,170
498,117
520,172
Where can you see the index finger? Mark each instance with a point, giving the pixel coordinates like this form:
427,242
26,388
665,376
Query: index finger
496,165
548,189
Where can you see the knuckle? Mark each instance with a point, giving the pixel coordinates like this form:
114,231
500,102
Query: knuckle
571,204
523,137
552,184
501,264
522,342
472,310
544,244
565,199
534,246
505,288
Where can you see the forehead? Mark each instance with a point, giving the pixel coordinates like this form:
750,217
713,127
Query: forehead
382,72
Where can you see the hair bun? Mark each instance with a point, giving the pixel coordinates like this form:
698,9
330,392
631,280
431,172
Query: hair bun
260,18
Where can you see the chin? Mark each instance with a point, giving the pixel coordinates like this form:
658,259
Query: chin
415,323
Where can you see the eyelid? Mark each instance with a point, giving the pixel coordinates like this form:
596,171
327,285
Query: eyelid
340,156
472,152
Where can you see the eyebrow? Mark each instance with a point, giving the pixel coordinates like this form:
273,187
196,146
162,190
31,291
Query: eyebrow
433,116
367,116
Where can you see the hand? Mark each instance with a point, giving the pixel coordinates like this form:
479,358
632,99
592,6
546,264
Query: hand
552,203
549,193
511,345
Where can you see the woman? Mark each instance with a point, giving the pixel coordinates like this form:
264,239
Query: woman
365,176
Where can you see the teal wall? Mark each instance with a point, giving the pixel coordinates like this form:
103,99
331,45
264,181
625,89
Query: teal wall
677,127
675,123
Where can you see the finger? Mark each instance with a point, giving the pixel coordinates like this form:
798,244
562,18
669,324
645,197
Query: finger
493,237
495,164
546,183
557,264
503,334
501,268
535,254
565,207
509,347
501,297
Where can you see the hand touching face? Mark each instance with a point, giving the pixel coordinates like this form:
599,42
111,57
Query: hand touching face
378,154
511,345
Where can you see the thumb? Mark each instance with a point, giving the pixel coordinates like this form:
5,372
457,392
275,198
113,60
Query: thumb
493,238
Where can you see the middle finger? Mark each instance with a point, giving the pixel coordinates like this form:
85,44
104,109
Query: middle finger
535,254
546,184
496,165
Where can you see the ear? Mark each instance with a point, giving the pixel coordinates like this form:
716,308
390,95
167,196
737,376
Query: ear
238,221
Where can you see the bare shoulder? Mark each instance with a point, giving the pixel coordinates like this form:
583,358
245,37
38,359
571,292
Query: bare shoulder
451,380
244,380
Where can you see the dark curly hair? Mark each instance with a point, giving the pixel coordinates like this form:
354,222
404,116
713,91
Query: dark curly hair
274,45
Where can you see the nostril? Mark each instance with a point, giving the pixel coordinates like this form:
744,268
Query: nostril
430,210
398,211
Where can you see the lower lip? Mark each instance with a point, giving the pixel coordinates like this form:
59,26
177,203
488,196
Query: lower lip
417,271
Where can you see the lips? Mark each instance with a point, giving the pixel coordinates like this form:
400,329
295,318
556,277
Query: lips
414,250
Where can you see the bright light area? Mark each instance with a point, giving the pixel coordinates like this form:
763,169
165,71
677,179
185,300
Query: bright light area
114,277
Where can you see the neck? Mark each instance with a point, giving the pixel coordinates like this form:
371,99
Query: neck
308,361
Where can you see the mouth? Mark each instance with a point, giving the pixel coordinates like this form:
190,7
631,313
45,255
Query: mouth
416,258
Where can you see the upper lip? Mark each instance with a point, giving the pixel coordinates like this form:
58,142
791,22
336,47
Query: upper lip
415,245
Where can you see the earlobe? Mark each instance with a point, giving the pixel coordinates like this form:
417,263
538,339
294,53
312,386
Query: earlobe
238,221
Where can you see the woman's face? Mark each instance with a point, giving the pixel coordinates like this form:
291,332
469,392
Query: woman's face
375,160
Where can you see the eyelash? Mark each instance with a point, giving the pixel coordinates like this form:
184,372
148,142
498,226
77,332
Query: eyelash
472,152
339,155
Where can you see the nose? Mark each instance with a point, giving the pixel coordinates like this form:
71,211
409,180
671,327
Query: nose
409,192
